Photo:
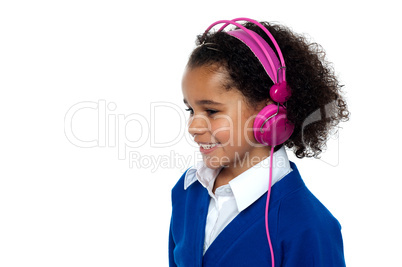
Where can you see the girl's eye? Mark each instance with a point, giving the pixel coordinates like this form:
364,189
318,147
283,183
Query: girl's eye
211,112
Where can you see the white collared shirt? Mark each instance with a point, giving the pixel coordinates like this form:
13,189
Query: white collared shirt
242,191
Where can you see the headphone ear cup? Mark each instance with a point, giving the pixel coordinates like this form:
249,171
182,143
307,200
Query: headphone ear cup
276,130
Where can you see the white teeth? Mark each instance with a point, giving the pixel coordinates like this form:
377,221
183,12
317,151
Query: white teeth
207,146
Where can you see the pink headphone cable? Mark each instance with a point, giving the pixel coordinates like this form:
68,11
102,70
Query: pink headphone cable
267,205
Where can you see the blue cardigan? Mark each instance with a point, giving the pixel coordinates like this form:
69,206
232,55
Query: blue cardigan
303,232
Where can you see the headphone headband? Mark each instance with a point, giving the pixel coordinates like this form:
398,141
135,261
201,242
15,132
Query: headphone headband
258,46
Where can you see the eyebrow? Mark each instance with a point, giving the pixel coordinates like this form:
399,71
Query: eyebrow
204,102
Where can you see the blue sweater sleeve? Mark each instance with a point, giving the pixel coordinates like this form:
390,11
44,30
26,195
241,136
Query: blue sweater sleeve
171,248
314,248
310,235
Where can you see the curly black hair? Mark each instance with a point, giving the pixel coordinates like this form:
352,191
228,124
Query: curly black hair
316,106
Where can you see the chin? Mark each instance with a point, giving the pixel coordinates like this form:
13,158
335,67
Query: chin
213,163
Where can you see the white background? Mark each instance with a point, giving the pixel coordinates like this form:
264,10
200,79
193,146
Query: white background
65,205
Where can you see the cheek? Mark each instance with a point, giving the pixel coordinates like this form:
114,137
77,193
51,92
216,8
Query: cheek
232,131
222,129
249,131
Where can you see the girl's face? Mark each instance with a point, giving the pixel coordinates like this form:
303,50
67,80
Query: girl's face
220,120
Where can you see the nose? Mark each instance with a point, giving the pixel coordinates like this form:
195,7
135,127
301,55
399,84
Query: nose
198,125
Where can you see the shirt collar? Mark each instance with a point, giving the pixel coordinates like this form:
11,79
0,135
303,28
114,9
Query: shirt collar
249,185
203,174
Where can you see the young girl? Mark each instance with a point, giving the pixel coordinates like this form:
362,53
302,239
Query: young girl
251,91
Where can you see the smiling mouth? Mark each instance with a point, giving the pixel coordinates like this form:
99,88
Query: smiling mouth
208,146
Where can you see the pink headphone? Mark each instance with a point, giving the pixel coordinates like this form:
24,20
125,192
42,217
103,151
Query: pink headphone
271,126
